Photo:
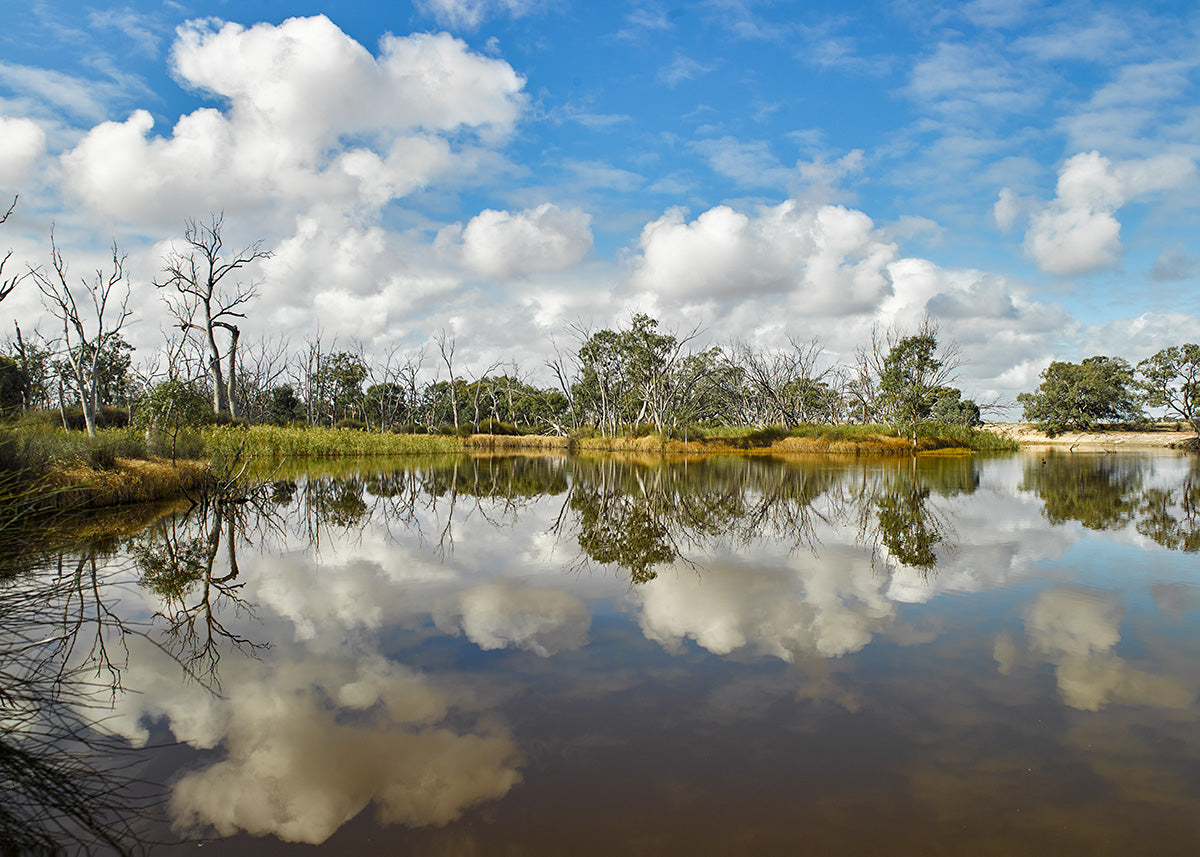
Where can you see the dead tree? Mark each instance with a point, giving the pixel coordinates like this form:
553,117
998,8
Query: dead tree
84,347
206,298
7,284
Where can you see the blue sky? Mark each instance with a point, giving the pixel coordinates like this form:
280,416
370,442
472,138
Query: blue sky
1023,172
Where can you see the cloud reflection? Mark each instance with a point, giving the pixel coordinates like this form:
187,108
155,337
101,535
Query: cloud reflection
308,743
1077,631
499,615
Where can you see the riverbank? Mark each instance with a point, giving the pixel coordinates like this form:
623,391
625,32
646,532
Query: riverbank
870,445
1162,436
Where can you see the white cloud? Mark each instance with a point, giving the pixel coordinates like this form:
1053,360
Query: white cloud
680,69
303,756
1007,209
829,608
75,96
752,164
22,144
289,132
829,257
469,14
1078,231
505,244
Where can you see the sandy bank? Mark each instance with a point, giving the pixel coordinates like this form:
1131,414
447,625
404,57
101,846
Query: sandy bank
1161,437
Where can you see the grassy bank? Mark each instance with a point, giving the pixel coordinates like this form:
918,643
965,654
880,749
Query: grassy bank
67,469
276,442
820,440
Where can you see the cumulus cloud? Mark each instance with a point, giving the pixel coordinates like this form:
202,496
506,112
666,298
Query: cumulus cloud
22,144
503,244
829,256
1078,231
288,130
500,615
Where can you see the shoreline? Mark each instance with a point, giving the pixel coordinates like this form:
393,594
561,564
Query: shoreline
1160,437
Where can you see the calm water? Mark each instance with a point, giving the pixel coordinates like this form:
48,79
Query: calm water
615,656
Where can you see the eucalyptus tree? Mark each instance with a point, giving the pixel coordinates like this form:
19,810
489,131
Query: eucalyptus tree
35,356
1080,395
904,381
202,292
784,386
84,334
1171,380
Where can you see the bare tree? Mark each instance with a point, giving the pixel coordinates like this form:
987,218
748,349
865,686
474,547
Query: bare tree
84,347
205,299
445,344
7,284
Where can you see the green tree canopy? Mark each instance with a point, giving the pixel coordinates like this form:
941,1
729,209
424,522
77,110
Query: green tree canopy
1171,380
1080,395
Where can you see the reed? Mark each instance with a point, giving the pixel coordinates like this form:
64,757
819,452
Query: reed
276,442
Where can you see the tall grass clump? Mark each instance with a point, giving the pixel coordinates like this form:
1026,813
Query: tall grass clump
969,437
33,450
279,442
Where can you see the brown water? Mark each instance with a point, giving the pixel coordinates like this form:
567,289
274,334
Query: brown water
609,656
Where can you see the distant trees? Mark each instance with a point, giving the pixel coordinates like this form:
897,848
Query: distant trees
1081,395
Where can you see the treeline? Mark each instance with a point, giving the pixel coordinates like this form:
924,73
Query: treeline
1102,390
639,377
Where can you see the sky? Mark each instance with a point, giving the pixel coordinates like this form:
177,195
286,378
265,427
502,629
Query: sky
1023,173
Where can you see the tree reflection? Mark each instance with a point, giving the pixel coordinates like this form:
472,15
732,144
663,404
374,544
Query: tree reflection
1110,492
69,786
1171,516
181,560
896,515
1098,492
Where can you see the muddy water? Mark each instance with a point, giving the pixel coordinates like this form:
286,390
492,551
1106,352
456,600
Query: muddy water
616,656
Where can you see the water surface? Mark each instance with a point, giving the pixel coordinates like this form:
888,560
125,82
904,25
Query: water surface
623,656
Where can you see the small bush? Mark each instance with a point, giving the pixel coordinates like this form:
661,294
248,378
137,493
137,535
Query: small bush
105,448
767,435
351,423
498,427
106,417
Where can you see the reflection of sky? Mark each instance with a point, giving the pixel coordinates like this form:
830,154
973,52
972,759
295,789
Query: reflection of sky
400,676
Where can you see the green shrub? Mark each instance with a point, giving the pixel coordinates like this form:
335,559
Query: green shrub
351,423
767,435
497,427
106,447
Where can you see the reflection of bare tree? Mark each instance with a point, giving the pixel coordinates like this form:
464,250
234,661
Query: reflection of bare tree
181,560
68,785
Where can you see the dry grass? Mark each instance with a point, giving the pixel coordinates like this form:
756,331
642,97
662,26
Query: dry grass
528,441
129,481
